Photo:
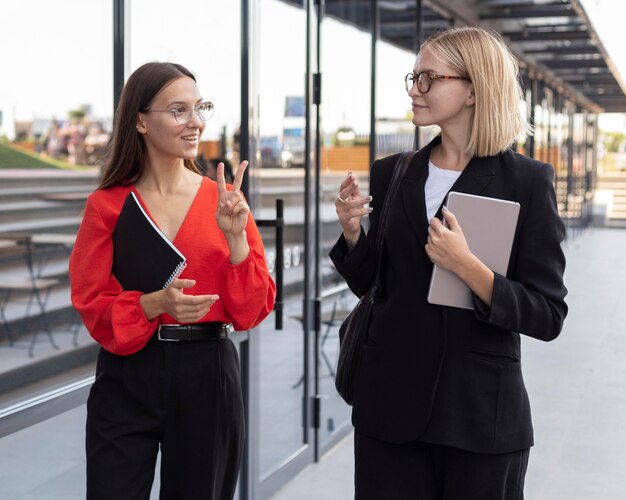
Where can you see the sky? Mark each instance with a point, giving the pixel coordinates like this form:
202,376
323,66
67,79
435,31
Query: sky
607,17
57,56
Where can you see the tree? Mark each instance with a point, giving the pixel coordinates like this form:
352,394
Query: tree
614,142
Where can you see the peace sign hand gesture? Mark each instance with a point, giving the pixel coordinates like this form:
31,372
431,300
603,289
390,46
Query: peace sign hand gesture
232,210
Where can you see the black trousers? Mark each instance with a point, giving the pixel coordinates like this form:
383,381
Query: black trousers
421,471
184,397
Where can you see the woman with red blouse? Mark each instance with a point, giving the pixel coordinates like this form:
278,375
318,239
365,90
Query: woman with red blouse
168,375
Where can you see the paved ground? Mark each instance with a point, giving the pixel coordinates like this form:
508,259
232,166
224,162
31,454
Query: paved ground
577,386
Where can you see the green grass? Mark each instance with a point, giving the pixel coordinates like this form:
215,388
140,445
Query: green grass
12,157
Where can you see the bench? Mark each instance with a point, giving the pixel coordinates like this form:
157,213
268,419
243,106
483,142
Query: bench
75,197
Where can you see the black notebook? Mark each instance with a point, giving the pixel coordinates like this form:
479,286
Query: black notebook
144,259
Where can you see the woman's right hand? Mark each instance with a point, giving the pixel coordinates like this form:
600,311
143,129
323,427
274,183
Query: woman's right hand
175,303
350,206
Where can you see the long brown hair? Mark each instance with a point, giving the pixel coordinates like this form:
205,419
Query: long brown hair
125,160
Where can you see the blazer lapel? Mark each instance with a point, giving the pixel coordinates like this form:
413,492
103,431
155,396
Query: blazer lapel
473,180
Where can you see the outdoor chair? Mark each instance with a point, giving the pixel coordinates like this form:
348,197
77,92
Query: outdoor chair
28,289
331,320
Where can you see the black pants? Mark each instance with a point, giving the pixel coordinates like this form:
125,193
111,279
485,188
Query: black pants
182,396
421,471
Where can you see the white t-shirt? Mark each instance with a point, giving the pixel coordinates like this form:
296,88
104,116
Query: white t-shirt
437,186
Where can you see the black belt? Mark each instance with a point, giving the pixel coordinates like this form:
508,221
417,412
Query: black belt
197,331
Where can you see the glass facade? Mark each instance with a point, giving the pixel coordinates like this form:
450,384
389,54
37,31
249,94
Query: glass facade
307,94
564,137
209,50
55,74
281,138
344,135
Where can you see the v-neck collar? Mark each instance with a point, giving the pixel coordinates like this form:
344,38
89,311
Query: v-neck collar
473,180
189,210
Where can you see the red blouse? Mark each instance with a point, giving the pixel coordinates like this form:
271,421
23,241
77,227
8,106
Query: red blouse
115,318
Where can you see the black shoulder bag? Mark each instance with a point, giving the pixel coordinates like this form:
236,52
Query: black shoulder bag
353,330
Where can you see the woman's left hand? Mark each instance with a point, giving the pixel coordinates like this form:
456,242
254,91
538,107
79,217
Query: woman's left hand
447,246
232,209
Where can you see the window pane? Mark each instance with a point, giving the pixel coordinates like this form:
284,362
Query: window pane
56,100
203,36
345,136
281,126
51,68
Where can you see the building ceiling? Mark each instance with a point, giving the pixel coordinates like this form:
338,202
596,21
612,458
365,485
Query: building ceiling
553,39
557,38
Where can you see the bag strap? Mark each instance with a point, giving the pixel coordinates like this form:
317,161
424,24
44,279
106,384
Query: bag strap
399,170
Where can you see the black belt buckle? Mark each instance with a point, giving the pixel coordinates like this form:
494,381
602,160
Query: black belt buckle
159,333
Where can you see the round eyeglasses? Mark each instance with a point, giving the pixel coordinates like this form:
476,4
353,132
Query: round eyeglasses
182,114
424,80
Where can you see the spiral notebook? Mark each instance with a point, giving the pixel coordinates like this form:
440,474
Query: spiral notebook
144,259
489,228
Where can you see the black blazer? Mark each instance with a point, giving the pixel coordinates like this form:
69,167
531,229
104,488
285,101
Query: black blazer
446,375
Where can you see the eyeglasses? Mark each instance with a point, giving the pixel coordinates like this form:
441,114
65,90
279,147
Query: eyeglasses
424,80
182,114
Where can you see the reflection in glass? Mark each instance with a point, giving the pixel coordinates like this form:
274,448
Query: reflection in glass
56,104
345,136
61,72
280,175
212,54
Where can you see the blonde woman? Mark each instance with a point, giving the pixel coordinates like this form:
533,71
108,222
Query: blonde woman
440,408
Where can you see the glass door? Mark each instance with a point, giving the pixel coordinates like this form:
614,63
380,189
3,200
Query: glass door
343,59
364,114
282,426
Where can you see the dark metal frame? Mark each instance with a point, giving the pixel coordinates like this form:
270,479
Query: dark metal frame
118,50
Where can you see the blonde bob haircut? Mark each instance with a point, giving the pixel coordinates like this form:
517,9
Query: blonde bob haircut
482,56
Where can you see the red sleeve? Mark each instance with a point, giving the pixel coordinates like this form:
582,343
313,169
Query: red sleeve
114,318
248,291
